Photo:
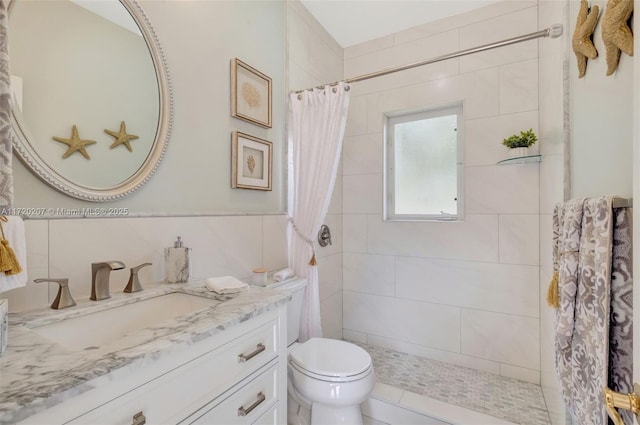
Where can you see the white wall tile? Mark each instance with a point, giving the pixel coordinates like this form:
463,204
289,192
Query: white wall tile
335,204
330,276
354,232
551,178
483,136
354,336
357,116
520,373
501,189
334,221
34,295
478,89
474,239
519,86
485,286
274,242
402,54
519,239
546,239
426,324
363,154
373,274
463,19
435,354
362,194
369,46
497,29
220,246
501,337
331,316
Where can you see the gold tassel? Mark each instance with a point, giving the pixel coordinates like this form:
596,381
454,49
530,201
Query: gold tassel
8,261
553,295
313,261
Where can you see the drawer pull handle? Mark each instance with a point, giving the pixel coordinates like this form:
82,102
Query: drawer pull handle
139,419
246,357
244,412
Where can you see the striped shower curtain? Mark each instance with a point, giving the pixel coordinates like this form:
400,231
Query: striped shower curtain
593,343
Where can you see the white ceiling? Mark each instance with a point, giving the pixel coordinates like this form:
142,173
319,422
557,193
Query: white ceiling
354,21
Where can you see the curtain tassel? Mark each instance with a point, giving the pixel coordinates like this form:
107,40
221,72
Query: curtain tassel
313,261
8,261
553,296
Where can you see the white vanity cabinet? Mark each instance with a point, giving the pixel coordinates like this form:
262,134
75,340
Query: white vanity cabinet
237,376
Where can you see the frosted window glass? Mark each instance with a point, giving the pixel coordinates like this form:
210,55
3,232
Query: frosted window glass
423,165
425,153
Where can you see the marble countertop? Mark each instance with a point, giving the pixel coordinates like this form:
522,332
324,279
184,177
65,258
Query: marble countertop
36,373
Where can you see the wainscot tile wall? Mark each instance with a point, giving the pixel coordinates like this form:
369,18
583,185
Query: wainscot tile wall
220,245
463,292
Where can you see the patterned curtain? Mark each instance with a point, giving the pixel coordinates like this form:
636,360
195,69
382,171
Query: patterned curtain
592,245
6,174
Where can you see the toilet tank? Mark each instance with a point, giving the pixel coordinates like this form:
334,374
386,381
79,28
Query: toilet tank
295,286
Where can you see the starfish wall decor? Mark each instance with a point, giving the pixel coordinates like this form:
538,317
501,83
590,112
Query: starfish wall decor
122,138
616,34
75,143
581,42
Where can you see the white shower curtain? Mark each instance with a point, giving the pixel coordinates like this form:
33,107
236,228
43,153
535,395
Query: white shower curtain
317,122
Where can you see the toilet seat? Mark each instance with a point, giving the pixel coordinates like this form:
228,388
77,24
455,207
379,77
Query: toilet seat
331,360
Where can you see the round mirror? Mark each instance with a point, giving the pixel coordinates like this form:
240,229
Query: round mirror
91,95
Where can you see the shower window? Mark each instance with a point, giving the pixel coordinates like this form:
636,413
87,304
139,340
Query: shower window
423,164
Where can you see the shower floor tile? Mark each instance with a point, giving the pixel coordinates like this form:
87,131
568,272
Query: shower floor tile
505,398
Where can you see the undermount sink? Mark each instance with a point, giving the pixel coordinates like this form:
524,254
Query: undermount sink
104,328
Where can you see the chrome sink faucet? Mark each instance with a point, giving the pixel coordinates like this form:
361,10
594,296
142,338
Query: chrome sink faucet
100,278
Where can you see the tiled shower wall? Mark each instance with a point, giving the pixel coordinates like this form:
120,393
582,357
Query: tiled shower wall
463,292
314,58
554,127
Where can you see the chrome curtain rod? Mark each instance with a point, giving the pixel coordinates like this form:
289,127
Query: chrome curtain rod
553,31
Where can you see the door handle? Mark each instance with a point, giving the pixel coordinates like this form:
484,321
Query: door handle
629,401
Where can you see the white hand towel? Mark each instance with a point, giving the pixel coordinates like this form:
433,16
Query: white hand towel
225,285
282,275
14,232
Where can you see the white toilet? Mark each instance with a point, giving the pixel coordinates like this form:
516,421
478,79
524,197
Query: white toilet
327,378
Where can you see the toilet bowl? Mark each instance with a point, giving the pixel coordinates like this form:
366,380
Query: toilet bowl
329,378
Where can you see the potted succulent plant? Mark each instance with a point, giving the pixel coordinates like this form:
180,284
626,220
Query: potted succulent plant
519,144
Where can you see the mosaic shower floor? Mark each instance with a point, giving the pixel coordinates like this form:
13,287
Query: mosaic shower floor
505,398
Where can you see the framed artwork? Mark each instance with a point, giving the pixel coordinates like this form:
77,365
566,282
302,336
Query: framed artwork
250,94
251,160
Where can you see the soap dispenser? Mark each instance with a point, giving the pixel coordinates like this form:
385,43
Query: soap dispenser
176,262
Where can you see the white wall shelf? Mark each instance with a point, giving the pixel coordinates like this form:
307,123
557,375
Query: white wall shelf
520,160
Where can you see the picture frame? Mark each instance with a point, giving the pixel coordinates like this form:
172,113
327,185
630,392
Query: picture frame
251,94
251,162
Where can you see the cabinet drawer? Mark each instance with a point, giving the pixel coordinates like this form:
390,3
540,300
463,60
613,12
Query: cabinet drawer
247,404
175,395
270,417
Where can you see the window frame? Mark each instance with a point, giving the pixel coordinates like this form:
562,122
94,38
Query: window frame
393,118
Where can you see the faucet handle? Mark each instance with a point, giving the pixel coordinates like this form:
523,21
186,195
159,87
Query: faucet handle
64,298
134,282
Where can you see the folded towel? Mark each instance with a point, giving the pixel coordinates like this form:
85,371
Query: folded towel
14,233
225,285
282,275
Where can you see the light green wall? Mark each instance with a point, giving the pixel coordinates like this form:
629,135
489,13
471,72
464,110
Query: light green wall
199,39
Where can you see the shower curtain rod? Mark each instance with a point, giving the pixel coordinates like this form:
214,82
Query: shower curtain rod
553,31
